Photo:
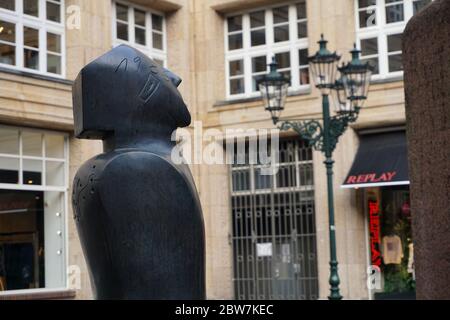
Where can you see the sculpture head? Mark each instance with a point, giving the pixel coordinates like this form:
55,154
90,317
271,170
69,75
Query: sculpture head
123,92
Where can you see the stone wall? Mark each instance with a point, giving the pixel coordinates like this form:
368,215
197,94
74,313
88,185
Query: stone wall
427,86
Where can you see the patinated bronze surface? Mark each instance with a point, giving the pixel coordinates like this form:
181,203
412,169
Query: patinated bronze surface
138,214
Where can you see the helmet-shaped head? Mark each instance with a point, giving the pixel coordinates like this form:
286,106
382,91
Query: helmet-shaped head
123,92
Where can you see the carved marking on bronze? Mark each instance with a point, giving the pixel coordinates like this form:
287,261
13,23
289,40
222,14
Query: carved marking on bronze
150,87
124,60
154,69
78,190
138,61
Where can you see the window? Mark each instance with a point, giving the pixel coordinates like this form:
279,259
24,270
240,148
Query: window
394,52
281,24
273,225
140,28
32,36
237,76
419,5
294,169
369,51
254,38
395,11
380,25
33,202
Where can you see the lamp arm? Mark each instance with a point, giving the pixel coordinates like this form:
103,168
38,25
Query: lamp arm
299,119
309,130
339,124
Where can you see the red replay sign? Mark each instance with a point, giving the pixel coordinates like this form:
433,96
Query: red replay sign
371,178
374,225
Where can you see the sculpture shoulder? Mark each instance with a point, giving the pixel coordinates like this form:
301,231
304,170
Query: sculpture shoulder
91,170
142,169
127,159
133,162
133,175
143,181
86,181
116,170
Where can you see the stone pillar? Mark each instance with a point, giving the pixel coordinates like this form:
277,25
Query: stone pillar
426,48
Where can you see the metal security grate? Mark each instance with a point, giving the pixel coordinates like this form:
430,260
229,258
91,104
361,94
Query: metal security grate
274,234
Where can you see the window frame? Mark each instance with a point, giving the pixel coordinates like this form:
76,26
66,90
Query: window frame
269,49
64,190
158,54
297,164
44,26
381,30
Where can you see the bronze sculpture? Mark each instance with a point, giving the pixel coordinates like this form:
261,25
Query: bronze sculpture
137,213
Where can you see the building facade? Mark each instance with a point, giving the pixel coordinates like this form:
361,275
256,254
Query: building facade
266,237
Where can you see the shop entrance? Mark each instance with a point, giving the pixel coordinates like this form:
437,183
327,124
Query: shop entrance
274,234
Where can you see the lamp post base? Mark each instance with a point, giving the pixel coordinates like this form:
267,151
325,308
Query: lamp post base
334,282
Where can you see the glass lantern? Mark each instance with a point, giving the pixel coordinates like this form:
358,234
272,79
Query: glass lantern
323,67
356,80
274,89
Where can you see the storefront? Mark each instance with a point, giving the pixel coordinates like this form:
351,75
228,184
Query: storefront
380,173
33,206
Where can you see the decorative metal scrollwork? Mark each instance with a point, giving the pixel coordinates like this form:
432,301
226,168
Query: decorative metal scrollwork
312,131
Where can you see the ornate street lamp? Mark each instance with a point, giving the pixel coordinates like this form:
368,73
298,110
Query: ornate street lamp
356,80
324,67
350,92
274,88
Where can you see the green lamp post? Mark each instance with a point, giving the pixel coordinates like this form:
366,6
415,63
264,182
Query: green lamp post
350,91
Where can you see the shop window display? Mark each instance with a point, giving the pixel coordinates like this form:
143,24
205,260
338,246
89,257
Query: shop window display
22,264
33,199
391,241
